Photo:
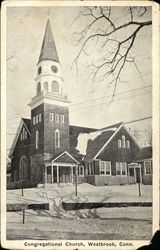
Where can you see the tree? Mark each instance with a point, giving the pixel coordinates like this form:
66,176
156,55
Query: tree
113,37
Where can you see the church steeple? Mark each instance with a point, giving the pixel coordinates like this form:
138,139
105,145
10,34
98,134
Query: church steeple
48,49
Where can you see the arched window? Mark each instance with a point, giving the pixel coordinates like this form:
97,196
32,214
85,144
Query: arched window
38,88
119,143
23,168
123,141
46,86
37,139
128,144
55,87
57,138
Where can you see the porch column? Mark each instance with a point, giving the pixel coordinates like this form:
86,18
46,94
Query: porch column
57,174
45,174
134,174
51,173
72,174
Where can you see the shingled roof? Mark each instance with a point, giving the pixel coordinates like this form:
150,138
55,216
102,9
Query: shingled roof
144,153
48,50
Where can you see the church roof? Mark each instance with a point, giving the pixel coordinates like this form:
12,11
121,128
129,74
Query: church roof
48,49
27,123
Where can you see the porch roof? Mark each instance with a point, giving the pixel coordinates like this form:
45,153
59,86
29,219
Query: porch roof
64,157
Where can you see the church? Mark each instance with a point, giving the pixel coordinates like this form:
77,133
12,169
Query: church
47,149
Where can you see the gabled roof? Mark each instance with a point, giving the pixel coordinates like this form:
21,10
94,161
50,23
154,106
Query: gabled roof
27,123
95,146
144,153
64,157
48,49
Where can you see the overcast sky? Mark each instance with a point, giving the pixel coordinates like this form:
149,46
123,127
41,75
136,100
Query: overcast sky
89,107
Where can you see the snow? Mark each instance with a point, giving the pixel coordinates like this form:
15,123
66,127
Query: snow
83,139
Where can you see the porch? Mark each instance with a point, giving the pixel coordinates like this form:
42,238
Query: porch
60,173
134,173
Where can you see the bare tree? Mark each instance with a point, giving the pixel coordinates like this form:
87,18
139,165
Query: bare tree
112,37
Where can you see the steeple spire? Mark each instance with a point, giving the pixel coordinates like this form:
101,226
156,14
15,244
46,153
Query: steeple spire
48,49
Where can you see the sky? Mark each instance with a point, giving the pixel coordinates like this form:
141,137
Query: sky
90,104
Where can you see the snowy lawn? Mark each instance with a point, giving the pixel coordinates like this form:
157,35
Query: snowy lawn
86,193
101,223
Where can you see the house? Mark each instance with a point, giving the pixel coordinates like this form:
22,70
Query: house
47,149
141,169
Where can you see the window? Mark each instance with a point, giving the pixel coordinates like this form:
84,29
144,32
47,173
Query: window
128,144
80,170
37,139
91,168
40,117
118,168
51,116
55,87
124,168
62,118
147,165
57,139
121,168
46,86
119,143
21,137
108,167
102,167
105,167
38,88
34,120
39,70
25,134
123,141
57,118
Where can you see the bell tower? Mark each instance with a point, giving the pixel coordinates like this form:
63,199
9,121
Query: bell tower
49,106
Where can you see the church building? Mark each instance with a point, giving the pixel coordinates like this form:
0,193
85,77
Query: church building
47,149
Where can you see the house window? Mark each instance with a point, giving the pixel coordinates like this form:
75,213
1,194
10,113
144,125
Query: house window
123,141
34,120
121,168
37,139
46,86
128,144
102,168
40,117
55,87
105,167
51,116
147,166
119,143
38,88
57,139
21,137
80,170
118,168
124,168
108,167
62,118
57,118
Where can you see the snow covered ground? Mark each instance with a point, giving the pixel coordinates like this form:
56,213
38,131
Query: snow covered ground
101,223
